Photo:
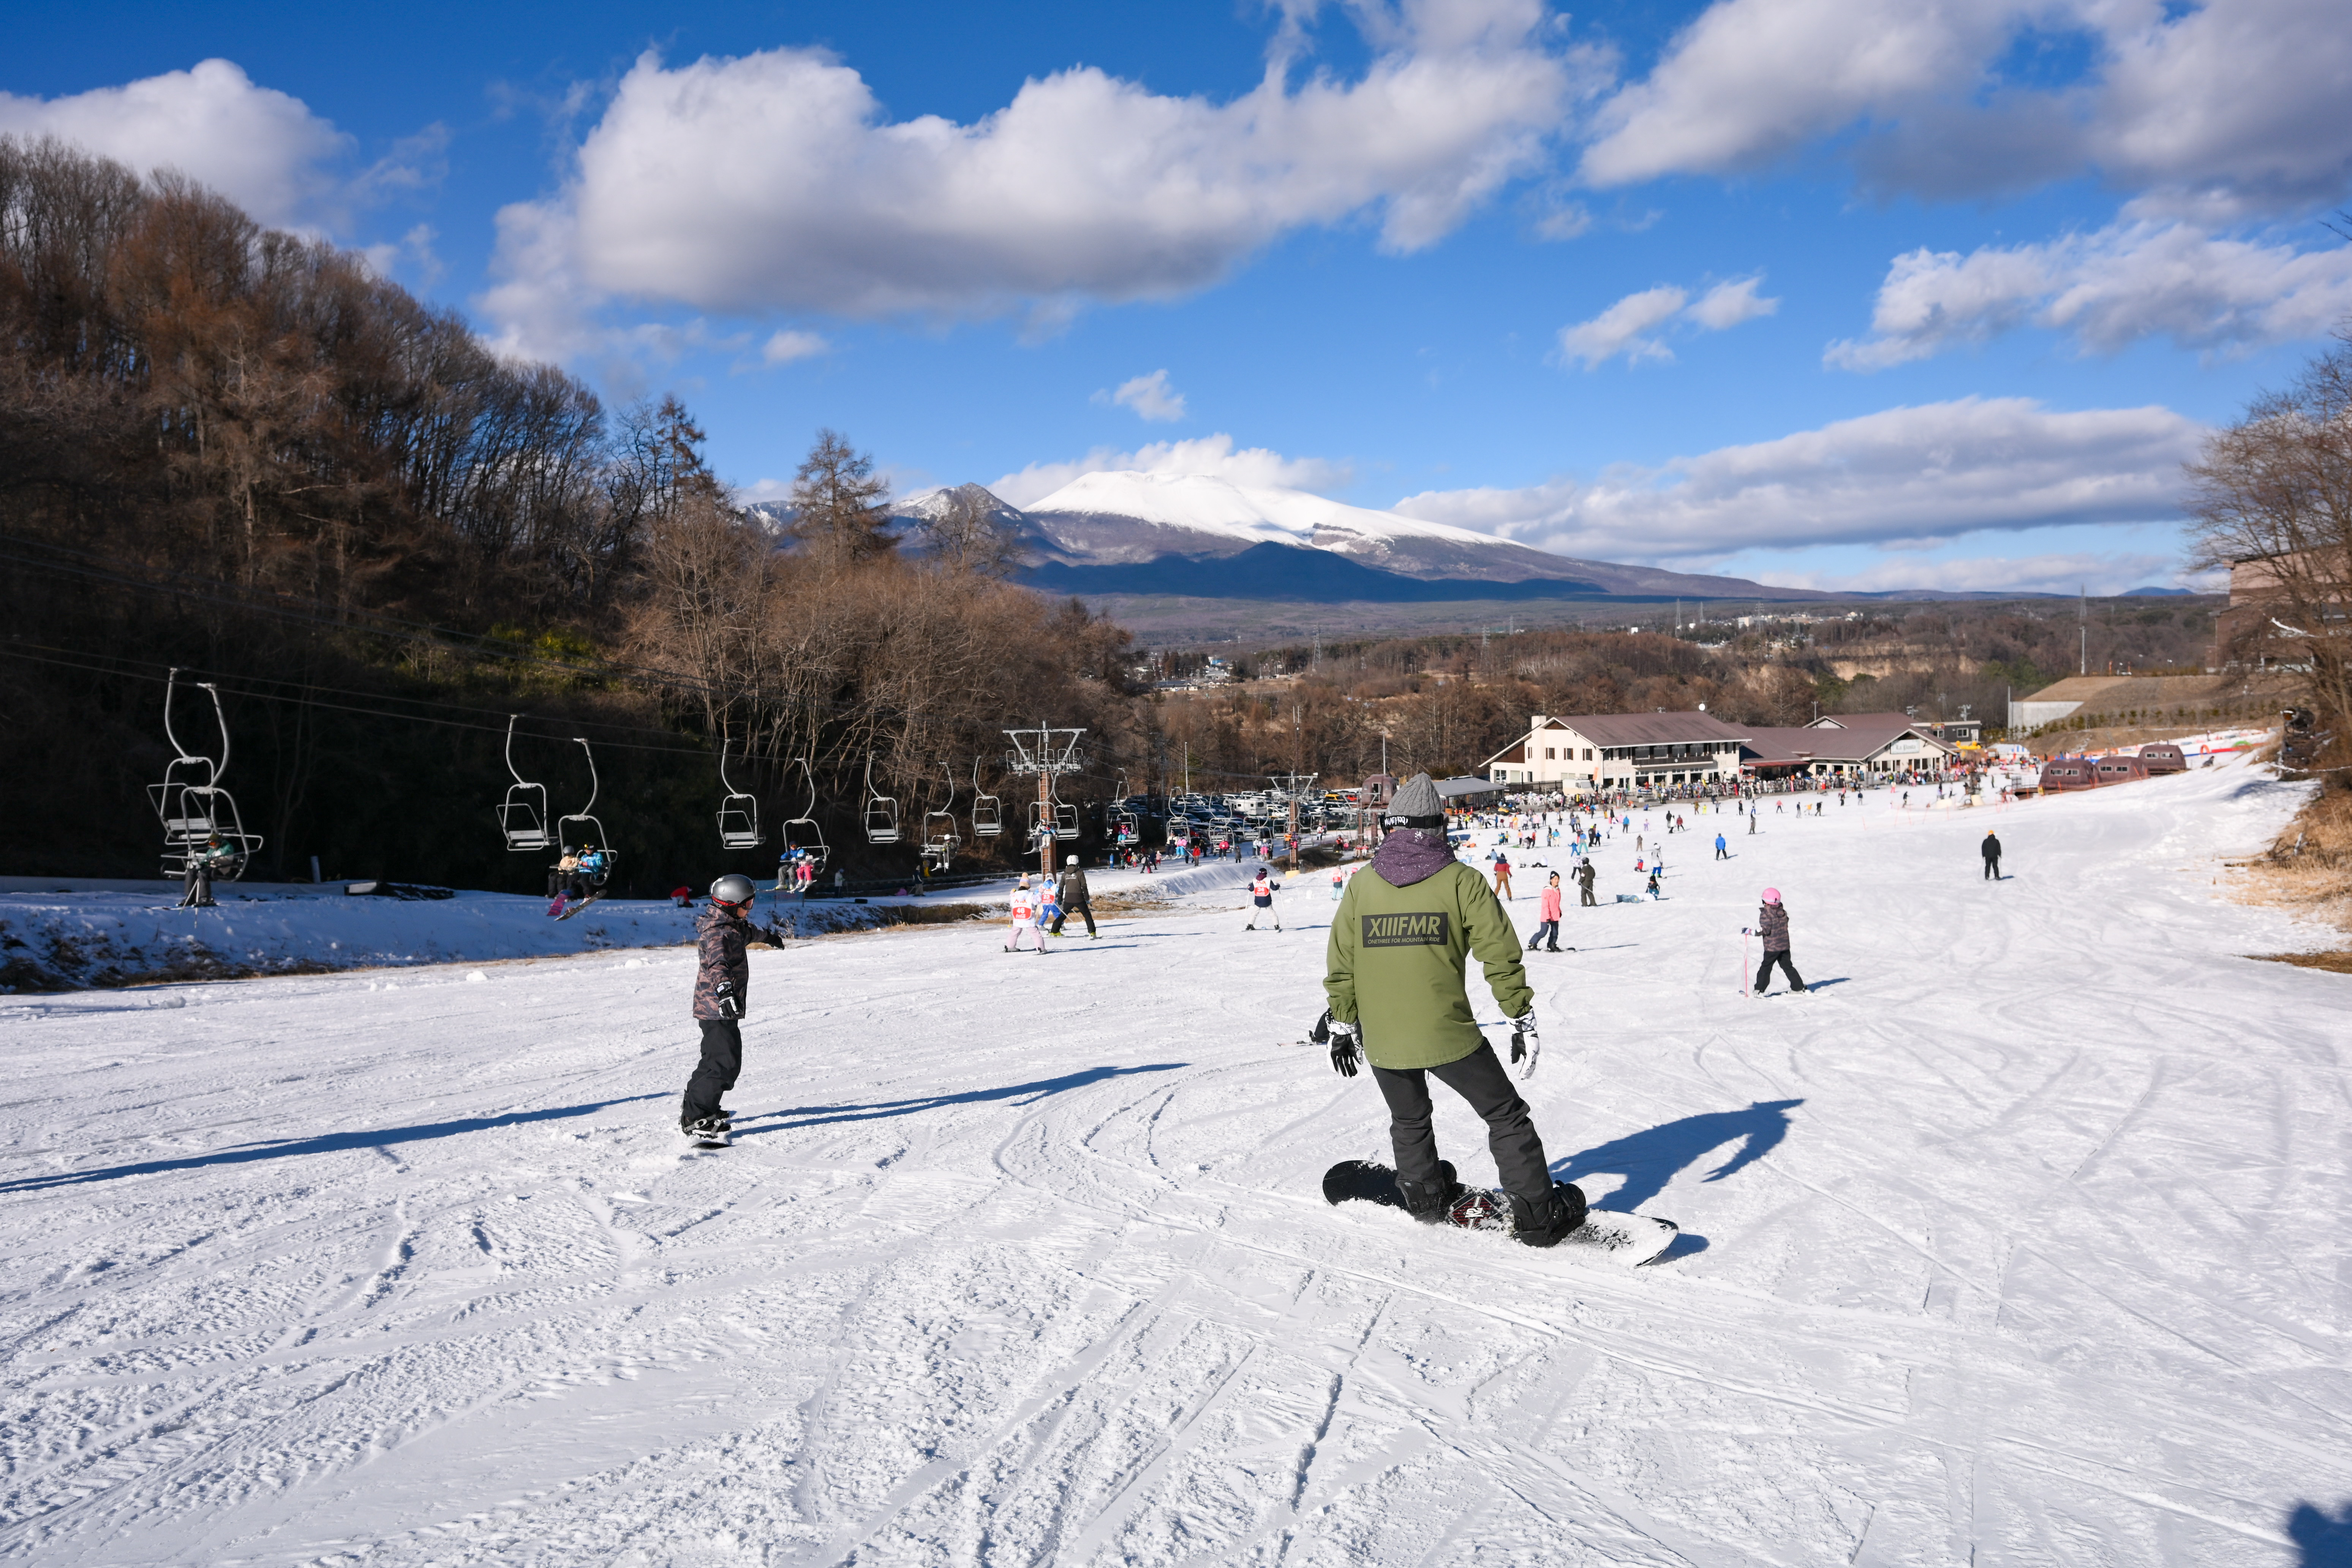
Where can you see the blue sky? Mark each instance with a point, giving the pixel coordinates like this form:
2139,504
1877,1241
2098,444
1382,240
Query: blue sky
1869,293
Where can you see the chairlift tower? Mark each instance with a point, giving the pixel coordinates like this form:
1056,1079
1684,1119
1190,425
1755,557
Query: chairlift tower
1291,783
1048,754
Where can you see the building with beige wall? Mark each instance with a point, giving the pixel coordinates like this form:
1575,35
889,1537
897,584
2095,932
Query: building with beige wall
1619,751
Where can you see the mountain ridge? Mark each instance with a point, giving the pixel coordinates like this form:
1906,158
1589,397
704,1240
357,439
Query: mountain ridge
1106,533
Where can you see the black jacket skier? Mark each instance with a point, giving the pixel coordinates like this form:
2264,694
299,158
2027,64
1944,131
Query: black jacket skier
1992,850
722,986
1070,897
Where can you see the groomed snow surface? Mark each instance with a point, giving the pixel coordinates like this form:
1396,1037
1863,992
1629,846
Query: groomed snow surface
2020,1240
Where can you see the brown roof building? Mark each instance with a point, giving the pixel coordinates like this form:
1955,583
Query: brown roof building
1618,751
1843,744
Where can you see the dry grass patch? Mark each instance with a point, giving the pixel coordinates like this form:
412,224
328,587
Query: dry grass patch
2334,962
2308,869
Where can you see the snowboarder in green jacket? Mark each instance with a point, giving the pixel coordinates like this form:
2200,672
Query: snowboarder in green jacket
1394,966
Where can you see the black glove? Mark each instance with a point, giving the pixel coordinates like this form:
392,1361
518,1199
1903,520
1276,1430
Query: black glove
730,1005
1347,1048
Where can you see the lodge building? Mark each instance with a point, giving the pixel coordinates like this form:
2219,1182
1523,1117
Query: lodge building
1592,752
1619,751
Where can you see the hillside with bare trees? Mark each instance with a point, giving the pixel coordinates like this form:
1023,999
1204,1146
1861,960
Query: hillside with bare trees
244,454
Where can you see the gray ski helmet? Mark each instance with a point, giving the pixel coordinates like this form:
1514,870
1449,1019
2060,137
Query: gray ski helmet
733,889
1071,861
1415,806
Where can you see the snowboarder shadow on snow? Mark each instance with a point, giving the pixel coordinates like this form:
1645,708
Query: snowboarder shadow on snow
324,1143
828,1115
2324,1539
1649,1159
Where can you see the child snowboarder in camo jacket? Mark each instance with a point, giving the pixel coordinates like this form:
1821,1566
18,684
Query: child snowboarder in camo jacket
722,985
1772,924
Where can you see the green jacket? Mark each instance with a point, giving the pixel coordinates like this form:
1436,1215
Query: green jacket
1397,957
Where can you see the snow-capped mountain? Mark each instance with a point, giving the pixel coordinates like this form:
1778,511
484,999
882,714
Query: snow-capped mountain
1200,535
1117,518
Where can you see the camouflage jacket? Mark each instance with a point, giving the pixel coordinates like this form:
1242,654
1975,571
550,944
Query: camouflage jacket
1773,923
723,969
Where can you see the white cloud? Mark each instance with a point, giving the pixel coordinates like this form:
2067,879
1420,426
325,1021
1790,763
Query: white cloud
259,147
2219,110
774,181
1626,327
1727,304
1933,471
1750,80
414,250
787,346
1149,395
1620,328
1212,454
2052,571
2107,290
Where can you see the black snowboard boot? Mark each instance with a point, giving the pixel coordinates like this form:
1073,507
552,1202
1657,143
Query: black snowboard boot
1544,1224
1428,1204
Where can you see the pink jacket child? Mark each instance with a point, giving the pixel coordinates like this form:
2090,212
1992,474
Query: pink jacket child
1547,918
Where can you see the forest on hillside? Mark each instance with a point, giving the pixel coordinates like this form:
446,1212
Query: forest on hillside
244,454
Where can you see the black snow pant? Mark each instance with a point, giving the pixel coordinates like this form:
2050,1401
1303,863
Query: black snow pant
1721,853
722,1058
1479,1078
1992,867
1548,930
196,885
1085,910
1587,901
1764,975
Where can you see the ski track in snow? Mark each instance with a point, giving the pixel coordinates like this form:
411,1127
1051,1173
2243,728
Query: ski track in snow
2040,1257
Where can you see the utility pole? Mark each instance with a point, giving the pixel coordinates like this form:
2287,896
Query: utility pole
2083,619
1047,754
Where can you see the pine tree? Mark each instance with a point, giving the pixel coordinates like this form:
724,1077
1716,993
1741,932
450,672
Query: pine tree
837,502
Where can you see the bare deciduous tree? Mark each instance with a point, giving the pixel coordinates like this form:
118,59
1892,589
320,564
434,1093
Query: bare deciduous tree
2272,499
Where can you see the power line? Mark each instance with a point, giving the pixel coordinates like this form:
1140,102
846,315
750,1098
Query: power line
227,688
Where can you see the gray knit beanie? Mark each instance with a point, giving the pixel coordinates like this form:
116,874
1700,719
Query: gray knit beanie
1416,805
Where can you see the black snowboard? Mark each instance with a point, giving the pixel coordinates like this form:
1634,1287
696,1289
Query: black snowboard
1629,1240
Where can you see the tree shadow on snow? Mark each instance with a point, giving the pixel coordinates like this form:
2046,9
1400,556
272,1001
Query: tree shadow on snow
1649,1159
327,1143
828,1115
2324,1539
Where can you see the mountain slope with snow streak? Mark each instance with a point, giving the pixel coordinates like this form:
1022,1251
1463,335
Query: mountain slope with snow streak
1125,516
2018,1240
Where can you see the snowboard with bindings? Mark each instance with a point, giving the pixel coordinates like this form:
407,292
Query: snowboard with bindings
1626,1240
568,910
722,1139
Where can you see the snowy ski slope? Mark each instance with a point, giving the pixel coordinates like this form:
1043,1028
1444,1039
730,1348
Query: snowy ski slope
2022,1241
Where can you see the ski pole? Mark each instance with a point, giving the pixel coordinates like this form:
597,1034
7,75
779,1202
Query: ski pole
1743,960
